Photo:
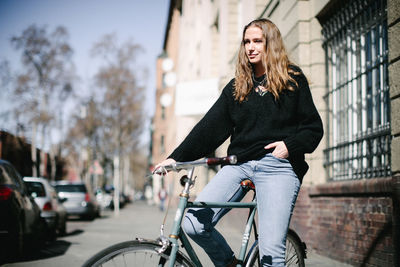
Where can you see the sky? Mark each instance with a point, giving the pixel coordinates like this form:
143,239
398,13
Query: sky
87,21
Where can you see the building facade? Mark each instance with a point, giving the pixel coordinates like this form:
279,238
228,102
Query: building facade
348,207
164,120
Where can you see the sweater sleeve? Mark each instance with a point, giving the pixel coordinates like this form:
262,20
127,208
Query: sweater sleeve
309,130
210,132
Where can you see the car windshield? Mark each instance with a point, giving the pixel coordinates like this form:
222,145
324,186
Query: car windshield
70,188
36,189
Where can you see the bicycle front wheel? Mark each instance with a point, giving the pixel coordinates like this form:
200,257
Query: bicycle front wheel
294,256
138,253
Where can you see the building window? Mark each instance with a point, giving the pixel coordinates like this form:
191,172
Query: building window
162,144
162,112
356,47
163,84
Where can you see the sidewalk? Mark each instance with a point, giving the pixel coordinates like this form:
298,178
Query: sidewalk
315,260
141,220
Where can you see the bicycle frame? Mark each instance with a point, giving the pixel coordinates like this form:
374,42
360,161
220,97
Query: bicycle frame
178,233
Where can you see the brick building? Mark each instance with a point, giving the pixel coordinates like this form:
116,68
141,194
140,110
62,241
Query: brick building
17,151
349,50
164,122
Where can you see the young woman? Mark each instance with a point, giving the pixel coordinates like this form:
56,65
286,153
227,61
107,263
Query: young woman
268,112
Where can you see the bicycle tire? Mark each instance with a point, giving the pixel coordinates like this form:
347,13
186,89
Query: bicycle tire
140,253
294,256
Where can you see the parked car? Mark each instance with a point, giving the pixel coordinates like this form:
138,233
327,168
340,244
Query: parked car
123,199
20,222
52,209
103,198
79,201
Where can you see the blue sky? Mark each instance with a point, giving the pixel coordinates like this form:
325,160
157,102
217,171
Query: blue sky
87,21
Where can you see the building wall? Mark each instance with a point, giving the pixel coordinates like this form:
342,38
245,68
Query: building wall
164,122
355,221
394,83
348,221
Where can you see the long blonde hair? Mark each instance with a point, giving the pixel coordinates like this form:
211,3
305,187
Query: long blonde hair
275,61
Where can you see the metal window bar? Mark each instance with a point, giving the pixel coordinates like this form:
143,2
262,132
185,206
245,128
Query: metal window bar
355,42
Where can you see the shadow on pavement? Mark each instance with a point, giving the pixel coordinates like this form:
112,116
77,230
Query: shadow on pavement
75,232
79,219
56,248
49,250
103,217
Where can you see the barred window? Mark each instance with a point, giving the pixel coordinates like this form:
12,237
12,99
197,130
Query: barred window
356,47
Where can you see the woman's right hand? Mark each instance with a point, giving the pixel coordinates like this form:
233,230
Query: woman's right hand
166,162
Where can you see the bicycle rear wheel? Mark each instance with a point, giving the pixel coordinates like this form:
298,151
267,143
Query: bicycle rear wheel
135,253
294,256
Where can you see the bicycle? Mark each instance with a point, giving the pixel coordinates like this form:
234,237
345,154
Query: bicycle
166,251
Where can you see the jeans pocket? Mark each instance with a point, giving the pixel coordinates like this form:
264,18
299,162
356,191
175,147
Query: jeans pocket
279,159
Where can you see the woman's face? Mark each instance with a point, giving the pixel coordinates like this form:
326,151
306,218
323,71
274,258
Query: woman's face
254,44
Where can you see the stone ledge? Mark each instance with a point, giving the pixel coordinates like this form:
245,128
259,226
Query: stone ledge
380,186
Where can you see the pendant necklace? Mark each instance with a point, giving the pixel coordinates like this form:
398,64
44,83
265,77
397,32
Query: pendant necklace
259,86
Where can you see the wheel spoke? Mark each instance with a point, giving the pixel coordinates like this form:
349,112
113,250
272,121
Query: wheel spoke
291,259
114,263
124,258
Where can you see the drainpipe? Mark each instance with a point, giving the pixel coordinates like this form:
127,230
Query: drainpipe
396,219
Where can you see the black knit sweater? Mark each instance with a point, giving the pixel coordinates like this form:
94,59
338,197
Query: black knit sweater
255,123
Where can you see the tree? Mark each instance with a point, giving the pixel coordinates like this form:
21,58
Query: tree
119,78
5,81
40,89
84,135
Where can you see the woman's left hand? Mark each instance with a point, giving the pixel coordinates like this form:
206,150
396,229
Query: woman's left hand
280,149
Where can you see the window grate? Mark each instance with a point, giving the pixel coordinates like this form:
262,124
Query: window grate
356,47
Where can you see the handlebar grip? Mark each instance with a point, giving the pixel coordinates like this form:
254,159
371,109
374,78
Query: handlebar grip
225,160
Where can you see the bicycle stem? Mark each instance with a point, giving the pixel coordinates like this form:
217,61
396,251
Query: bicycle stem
189,182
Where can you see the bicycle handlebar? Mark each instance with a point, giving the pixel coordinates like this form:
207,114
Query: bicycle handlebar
218,161
177,166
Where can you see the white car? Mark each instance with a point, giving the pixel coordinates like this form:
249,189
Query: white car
79,201
103,198
52,209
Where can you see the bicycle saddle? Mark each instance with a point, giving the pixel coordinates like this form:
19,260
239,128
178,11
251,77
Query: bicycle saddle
247,185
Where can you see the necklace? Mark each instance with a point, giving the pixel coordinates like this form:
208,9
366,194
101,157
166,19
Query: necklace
259,85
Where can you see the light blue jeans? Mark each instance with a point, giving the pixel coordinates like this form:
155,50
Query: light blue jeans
277,187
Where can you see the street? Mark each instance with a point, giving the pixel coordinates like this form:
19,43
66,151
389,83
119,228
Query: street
85,238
